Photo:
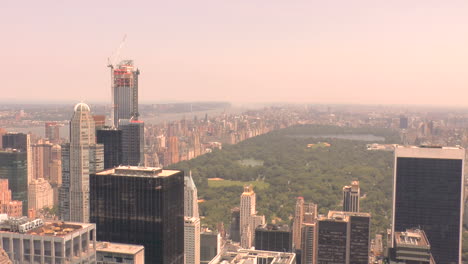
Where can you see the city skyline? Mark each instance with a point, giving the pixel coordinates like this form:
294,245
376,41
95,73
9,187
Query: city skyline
322,52
308,107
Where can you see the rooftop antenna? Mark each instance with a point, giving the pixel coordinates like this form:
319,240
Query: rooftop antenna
111,63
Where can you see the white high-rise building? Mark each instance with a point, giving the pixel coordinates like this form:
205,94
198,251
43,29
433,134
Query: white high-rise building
190,197
192,240
248,218
191,223
81,157
297,224
247,209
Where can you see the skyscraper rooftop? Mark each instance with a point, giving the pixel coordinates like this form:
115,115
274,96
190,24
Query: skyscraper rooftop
136,171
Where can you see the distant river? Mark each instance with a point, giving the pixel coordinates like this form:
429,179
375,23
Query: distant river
359,137
39,130
65,130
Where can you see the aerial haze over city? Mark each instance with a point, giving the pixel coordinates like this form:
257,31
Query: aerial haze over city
244,132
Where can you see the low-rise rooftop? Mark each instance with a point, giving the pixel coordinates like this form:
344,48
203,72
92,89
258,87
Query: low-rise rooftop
414,238
246,256
58,228
333,214
38,227
118,248
272,227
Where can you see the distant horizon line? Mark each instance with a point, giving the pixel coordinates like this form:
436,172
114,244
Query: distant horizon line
237,103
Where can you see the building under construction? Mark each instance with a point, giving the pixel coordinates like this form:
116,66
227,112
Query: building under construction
125,91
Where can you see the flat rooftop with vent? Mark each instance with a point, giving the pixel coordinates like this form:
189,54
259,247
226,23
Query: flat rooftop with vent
110,253
411,246
35,241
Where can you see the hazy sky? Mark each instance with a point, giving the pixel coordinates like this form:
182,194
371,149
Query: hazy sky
347,51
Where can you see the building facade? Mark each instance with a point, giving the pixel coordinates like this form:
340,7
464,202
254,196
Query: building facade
190,197
351,196
14,167
115,253
297,222
140,205
411,246
20,142
428,194
343,237
40,194
249,219
133,142
210,245
111,138
33,241
192,240
125,91
52,132
273,238
80,158
7,205
234,230
309,243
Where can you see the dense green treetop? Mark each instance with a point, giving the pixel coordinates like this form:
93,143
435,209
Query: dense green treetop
291,169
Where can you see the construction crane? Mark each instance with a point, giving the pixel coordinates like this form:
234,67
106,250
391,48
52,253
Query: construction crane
111,61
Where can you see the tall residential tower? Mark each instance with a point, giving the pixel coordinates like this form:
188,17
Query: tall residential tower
125,91
249,219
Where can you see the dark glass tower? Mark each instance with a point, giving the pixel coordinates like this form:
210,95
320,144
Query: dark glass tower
16,141
112,141
331,244
235,225
14,167
273,238
343,237
359,229
428,188
133,143
143,206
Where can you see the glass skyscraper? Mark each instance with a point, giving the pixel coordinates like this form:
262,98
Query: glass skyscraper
133,143
428,195
14,167
112,141
140,205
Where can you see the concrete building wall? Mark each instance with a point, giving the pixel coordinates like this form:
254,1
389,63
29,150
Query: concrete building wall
192,240
75,247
